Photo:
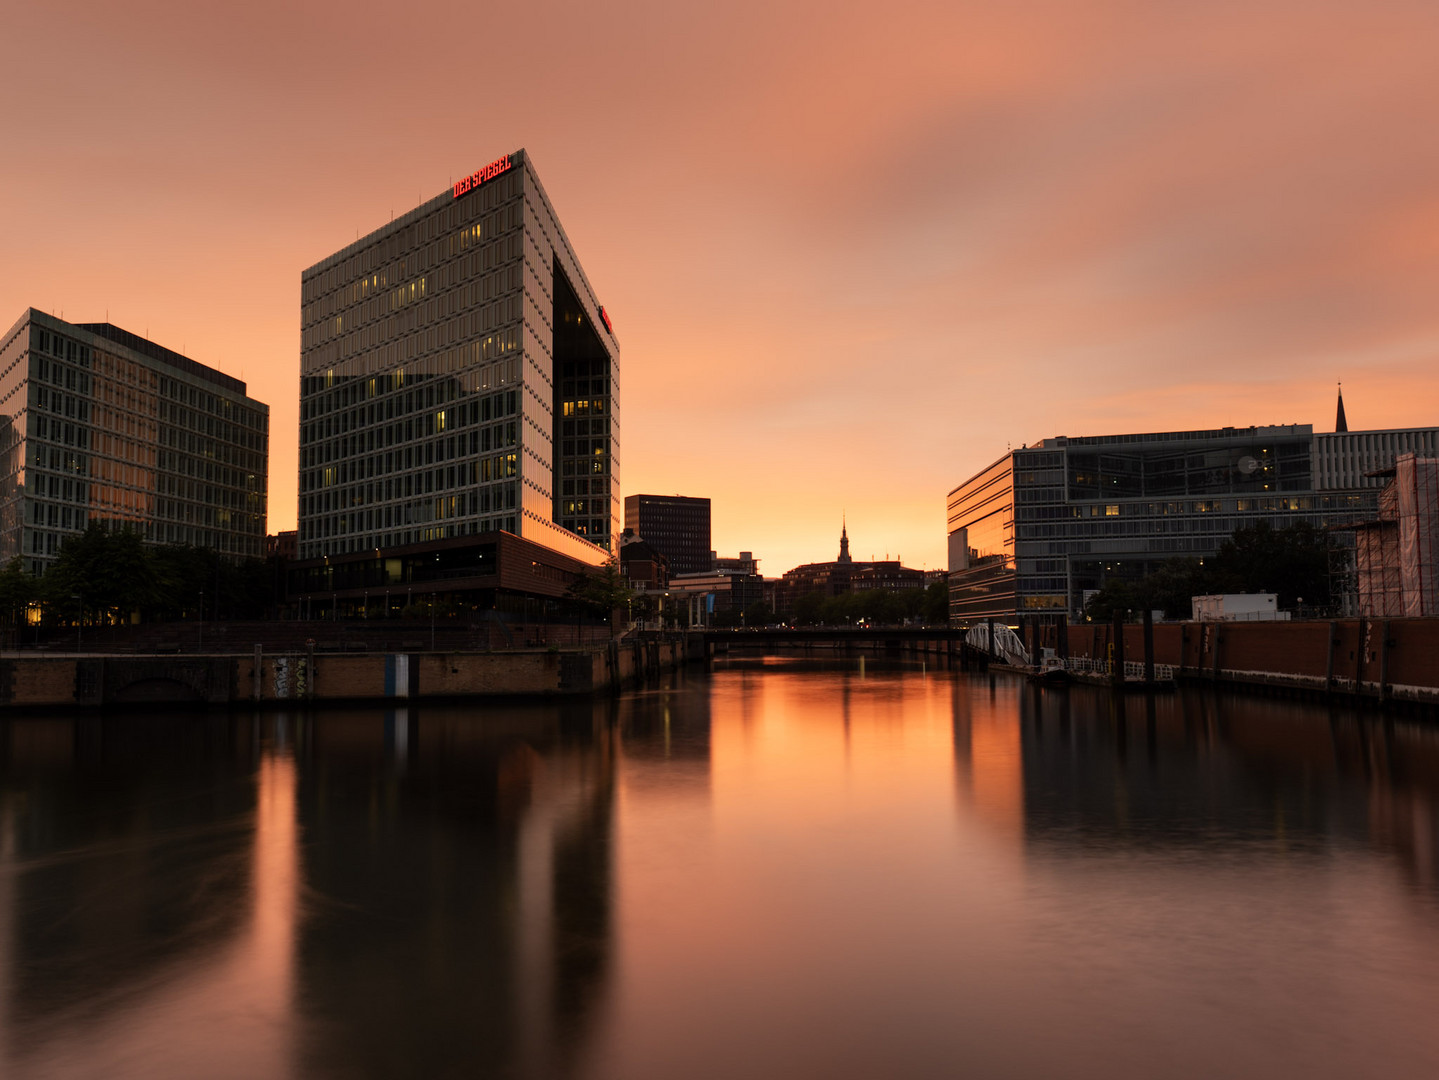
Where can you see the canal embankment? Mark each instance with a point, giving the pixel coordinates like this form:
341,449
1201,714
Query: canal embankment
1362,660
311,675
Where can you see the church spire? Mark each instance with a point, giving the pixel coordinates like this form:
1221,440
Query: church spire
844,541
1340,423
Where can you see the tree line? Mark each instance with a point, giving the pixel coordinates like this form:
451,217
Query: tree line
1293,562
104,576
604,590
881,607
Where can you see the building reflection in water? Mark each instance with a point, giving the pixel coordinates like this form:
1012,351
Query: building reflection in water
363,893
147,874
1205,770
457,888
809,869
988,754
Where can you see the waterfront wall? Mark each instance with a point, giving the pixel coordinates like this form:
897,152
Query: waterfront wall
39,681
1380,658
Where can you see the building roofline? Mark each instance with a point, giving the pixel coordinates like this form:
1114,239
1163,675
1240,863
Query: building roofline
992,464
127,339
1371,431
1195,435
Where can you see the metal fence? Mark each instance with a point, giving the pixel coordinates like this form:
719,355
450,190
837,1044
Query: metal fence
1133,669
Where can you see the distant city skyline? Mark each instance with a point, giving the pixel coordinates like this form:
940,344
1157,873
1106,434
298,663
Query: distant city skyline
836,295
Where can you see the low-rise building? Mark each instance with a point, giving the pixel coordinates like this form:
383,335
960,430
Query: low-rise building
646,568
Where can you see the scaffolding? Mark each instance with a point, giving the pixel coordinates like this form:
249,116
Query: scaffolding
1394,556
1417,482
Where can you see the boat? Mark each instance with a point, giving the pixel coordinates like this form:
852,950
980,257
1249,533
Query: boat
1050,670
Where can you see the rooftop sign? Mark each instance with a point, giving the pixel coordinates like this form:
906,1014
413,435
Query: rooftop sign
489,172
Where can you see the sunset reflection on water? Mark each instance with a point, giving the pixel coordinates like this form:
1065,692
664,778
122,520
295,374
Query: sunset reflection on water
785,867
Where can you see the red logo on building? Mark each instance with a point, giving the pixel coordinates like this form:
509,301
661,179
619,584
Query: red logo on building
489,172
606,319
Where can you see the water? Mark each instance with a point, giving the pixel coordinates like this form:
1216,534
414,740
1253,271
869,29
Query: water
778,869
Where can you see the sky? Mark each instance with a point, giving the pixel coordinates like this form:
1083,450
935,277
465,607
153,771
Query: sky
853,252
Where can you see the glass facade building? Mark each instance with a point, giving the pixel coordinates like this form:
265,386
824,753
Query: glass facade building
100,425
1040,529
459,377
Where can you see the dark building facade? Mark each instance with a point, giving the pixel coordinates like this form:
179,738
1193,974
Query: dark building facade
677,525
642,565
1039,530
493,571
101,425
840,577
459,378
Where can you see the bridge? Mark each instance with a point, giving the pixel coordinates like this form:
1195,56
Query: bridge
937,640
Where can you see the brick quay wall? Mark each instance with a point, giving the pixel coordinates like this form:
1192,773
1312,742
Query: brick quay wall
37,681
1384,659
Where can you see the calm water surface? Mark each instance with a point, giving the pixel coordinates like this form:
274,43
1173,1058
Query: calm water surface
777,869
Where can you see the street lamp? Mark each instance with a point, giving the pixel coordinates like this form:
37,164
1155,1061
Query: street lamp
200,644
79,619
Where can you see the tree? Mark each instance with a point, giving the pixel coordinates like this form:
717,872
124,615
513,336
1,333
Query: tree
603,590
17,590
936,604
1116,595
101,571
809,609
758,614
1292,562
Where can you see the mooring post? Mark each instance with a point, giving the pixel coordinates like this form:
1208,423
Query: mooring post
1148,647
1359,658
1329,663
259,667
1384,660
1117,675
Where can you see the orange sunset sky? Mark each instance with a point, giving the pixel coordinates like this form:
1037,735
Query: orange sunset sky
852,251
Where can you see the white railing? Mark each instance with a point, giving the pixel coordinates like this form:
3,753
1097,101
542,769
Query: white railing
1133,669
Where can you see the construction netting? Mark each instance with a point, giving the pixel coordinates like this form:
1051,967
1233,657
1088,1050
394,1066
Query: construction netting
1376,569
1416,486
1394,557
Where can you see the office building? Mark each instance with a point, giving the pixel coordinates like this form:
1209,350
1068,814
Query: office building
1042,528
677,525
101,425
459,377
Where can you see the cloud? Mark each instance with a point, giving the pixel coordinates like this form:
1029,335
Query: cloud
851,258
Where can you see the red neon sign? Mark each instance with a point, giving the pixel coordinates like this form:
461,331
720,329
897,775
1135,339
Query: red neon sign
606,320
489,172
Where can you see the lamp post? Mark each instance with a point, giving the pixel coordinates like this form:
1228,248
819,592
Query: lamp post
200,643
79,619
